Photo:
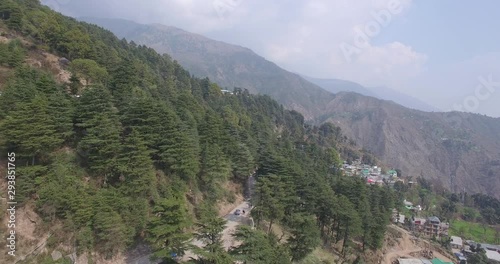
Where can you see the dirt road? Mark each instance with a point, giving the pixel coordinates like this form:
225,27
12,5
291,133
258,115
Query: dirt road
407,245
233,221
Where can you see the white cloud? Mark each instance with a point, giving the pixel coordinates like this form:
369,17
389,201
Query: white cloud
305,37
452,84
302,37
389,65
309,42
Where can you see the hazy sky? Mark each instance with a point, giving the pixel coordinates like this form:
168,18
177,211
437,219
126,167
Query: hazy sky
446,52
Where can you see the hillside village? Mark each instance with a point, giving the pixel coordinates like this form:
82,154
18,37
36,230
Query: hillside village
133,150
434,229
416,221
372,174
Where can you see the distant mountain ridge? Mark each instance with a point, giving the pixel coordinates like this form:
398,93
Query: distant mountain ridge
227,65
235,66
384,93
456,150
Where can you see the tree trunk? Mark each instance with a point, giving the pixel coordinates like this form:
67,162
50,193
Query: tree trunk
346,237
365,234
270,225
338,232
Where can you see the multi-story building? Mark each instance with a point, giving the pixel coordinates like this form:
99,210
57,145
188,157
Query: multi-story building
435,228
431,227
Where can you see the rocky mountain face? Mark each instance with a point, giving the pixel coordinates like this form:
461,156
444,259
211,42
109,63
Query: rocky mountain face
458,150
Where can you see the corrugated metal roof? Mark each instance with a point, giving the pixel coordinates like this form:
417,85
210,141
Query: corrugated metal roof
410,261
433,219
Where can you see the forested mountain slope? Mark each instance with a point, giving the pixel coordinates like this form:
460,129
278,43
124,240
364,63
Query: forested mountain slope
231,65
227,65
118,146
459,151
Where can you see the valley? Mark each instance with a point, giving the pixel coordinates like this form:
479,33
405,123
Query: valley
141,144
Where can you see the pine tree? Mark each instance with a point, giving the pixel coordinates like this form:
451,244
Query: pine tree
95,100
211,129
349,222
62,111
16,54
258,248
144,115
167,226
13,14
269,161
242,162
378,217
178,147
30,130
136,167
269,200
326,209
124,79
186,159
215,169
110,231
18,90
4,53
100,146
210,233
74,85
46,84
304,236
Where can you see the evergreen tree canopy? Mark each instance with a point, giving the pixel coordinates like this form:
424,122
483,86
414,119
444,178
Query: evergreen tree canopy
134,146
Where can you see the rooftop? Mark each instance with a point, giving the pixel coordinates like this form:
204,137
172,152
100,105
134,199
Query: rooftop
438,261
456,240
413,261
418,219
490,247
493,255
434,219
